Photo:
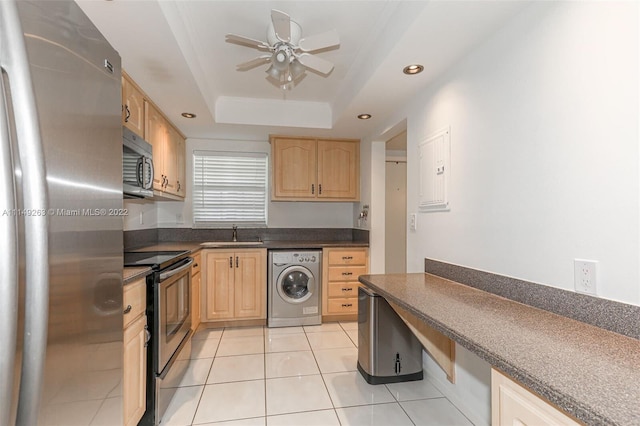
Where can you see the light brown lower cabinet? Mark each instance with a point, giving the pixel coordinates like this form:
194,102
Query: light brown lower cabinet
513,405
340,271
235,284
135,352
196,279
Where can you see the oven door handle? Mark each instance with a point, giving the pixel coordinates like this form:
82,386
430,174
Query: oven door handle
184,265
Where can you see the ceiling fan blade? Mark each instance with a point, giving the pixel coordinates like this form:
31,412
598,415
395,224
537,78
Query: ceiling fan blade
282,25
320,41
233,38
260,60
315,63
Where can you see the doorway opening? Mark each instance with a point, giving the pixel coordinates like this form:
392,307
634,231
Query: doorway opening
396,204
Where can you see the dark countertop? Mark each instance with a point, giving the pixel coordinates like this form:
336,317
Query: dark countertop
273,245
131,274
590,373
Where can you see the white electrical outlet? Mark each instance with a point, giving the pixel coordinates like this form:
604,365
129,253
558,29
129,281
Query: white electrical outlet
413,221
141,219
585,275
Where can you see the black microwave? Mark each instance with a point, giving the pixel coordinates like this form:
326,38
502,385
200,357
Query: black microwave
137,166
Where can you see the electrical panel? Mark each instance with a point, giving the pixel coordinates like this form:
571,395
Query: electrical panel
434,155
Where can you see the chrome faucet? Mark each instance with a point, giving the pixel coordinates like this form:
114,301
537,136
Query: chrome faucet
234,237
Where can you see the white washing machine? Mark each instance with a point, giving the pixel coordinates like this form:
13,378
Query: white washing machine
295,284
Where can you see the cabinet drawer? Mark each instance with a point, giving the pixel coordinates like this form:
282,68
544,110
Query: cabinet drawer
350,257
347,305
343,289
344,273
197,264
134,295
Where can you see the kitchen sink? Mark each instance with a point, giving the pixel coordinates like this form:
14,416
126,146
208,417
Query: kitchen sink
231,243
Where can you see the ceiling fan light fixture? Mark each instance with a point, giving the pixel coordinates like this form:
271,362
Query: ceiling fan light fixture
413,69
273,72
296,69
364,116
289,55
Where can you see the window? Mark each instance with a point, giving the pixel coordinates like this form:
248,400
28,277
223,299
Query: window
229,188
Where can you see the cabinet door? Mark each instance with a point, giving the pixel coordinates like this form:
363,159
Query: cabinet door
219,274
294,168
513,405
135,372
132,107
170,160
250,284
195,301
338,169
181,178
156,131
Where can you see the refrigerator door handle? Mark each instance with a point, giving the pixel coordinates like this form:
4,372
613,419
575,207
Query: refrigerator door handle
15,63
8,264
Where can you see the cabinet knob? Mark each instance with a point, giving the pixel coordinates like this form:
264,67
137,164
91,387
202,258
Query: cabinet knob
127,310
347,273
347,305
127,113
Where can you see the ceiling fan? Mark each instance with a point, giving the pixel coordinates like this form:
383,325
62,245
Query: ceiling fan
289,54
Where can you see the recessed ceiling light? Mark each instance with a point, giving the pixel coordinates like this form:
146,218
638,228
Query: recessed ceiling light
364,116
188,115
413,69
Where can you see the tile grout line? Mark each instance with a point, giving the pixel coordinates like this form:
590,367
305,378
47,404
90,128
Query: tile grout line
264,370
204,385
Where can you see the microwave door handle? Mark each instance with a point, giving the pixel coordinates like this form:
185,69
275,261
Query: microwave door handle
140,172
172,272
15,63
8,265
149,183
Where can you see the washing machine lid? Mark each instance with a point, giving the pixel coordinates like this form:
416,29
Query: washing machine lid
296,284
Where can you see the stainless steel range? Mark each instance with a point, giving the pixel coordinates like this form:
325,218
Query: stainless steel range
169,318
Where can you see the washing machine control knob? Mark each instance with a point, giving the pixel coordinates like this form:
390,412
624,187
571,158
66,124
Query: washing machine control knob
313,259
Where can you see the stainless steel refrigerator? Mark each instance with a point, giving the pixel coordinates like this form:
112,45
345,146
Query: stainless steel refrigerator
60,218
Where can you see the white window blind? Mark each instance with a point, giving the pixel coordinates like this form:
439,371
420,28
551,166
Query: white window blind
229,188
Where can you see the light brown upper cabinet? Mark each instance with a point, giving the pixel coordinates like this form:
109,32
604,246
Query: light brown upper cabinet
142,117
308,169
132,106
168,153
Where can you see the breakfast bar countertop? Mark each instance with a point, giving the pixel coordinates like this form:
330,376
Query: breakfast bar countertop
590,373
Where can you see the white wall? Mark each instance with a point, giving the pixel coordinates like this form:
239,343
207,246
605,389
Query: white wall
136,208
544,150
177,214
544,156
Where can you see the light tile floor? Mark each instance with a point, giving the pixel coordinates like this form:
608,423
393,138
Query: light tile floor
295,376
